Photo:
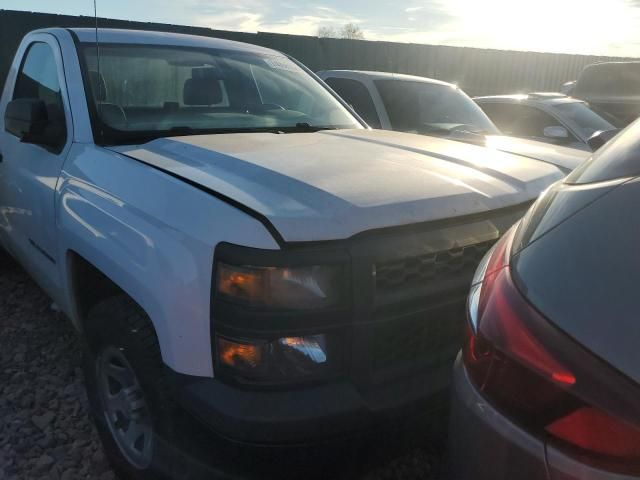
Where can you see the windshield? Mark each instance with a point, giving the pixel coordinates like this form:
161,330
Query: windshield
148,90
587,121
428,108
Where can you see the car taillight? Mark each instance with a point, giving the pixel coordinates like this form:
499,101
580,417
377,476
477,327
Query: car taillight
541,378
594,430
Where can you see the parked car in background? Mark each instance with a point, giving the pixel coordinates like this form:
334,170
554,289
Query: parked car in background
611,88
548,384
547,117
238,250
430,107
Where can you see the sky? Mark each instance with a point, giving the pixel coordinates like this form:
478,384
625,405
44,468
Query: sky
604,27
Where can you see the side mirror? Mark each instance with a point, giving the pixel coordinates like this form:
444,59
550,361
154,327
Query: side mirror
556,132
598,139
28,119
567,88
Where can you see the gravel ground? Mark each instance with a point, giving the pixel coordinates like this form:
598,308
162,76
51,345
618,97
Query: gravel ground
45,432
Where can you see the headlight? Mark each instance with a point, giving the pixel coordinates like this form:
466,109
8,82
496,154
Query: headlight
283,359
280,317
300,288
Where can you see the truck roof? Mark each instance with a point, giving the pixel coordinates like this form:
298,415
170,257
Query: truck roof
144,37
613,64
549,98
383,76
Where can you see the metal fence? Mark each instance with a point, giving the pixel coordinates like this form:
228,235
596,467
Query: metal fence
477,71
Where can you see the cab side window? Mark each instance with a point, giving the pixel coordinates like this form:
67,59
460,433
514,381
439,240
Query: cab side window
521,120
356,94
38,80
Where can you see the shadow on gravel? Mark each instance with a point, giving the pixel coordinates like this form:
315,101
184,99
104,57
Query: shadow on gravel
44,428
45,432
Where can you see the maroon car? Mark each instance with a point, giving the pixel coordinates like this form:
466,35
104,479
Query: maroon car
548,383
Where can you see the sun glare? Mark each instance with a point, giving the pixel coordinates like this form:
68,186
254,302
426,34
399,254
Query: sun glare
570,26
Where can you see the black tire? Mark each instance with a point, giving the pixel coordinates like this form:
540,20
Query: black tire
6,261
119,323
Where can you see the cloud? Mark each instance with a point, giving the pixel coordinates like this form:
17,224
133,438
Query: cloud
304,24
497,24
242,21
501,24
408,23
221,7
255,16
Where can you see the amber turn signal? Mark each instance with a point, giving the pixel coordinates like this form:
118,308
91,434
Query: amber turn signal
238,282
300,288
239,355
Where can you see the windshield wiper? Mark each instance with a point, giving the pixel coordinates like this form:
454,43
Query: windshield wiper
307,127
299,127
181,130
141,137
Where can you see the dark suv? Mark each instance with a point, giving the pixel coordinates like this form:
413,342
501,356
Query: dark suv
612,88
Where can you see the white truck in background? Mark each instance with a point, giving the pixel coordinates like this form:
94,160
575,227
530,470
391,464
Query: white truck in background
413,104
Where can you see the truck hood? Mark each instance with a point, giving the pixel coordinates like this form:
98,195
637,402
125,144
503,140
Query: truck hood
564,158
334,184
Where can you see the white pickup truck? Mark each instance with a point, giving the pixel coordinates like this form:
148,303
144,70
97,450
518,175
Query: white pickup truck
230,240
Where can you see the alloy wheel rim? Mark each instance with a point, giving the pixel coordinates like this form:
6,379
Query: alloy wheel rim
124,407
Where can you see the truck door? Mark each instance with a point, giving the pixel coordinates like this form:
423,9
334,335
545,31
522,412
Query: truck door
29,172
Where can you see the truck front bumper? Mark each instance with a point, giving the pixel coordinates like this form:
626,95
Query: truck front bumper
307,414
325,431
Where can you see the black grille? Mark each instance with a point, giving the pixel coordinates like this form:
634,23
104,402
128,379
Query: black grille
441,267
421,340
420,306
411,286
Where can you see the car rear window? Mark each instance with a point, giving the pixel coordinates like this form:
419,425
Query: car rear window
618,158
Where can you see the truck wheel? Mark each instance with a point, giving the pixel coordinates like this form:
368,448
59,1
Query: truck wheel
6,261
128,397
